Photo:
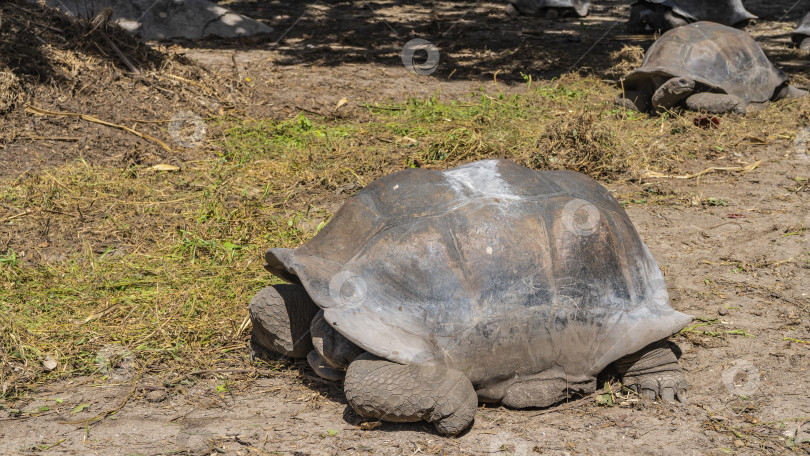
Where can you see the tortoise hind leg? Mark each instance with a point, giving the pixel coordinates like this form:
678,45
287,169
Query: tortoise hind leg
281,315
404,393
653,371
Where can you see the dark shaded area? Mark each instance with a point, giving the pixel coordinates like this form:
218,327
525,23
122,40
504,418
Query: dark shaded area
31,34
475,39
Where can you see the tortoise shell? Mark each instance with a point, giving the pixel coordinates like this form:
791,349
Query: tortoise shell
721,58
490,268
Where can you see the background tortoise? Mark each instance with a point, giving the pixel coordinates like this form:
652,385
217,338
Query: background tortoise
801,36
709,67
538,7
489,281
662,15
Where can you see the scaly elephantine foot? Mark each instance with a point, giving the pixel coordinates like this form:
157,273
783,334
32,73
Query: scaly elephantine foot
281,315
653,371
716,103
380,389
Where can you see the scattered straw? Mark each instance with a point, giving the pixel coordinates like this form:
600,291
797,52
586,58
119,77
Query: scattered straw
45,112
626,59
743,169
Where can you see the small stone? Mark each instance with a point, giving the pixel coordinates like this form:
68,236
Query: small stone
48,363
722,311
156,396
739,443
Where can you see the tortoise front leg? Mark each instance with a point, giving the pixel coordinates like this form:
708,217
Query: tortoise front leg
716,103
644,18
281,315
403,393
635,100
333,351
653,371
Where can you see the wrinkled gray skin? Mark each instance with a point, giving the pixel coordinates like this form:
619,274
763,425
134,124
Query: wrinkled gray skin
544,7
649,16
431,291
705,67
801,36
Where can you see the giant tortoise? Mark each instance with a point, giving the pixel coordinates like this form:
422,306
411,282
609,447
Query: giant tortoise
801,35
662,15
487,282
708,67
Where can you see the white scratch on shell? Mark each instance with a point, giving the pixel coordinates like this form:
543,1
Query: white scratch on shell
480,177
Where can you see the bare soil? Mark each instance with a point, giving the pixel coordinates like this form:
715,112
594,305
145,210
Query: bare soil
735,246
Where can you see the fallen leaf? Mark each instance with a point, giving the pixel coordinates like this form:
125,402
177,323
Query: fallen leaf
340,103
368,425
